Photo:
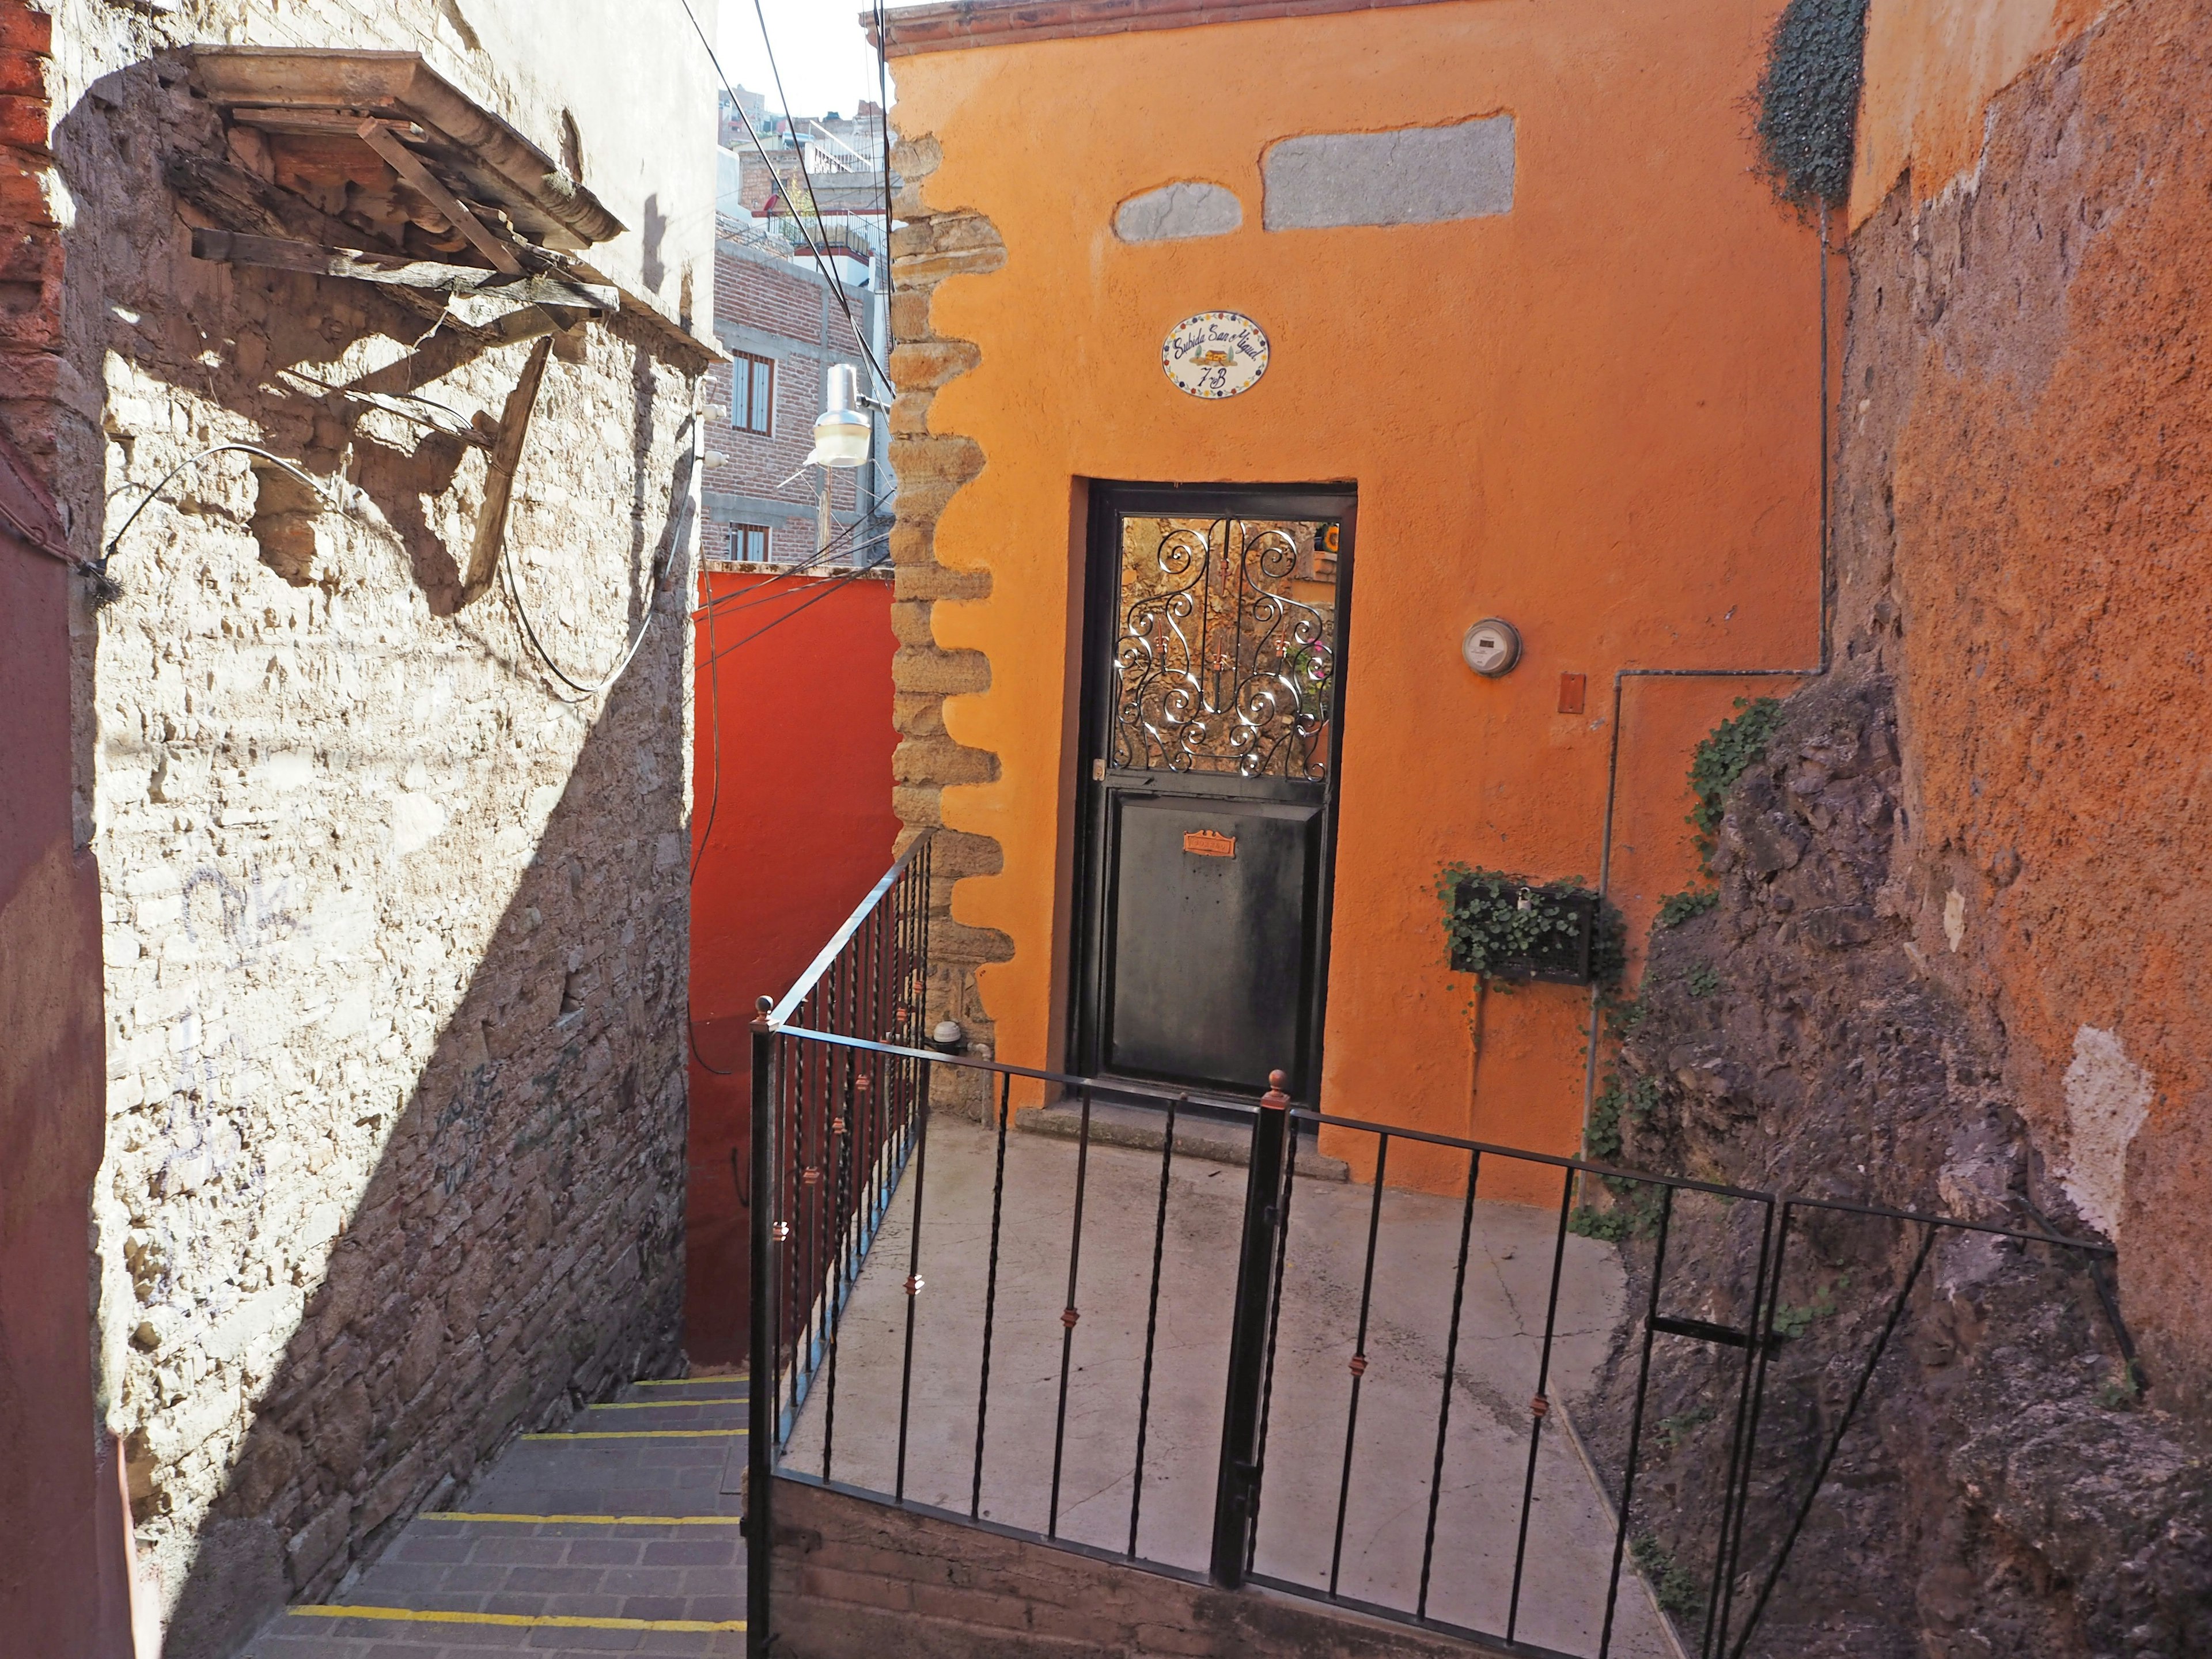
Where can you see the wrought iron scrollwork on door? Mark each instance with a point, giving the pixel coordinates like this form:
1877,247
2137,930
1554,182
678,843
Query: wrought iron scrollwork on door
1218,665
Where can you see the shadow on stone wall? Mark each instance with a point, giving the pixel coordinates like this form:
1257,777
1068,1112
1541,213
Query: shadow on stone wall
517,1247
518,1250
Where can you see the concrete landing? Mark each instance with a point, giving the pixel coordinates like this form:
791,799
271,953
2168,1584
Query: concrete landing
1394,1447
612,1536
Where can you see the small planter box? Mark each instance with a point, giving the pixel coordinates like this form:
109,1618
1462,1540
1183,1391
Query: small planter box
1563,959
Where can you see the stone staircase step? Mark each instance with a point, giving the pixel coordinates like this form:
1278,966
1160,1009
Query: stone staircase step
576,1543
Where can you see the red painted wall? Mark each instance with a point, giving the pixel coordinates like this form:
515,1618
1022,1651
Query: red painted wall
801,829
63,1587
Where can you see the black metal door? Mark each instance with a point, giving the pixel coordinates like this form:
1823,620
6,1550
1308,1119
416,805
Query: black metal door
1213,680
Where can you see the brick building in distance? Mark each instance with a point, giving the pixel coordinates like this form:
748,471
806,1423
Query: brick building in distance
787,318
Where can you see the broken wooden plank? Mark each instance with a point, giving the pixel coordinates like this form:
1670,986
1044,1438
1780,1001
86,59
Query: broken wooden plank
240,200
408,166
499,474
430,275
319,121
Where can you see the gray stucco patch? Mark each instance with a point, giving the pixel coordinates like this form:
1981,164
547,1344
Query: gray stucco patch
1419,175
1174,212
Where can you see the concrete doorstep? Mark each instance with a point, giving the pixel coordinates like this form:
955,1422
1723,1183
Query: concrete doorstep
1218,1140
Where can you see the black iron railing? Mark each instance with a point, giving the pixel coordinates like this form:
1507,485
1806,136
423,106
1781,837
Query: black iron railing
842,1131
832,1130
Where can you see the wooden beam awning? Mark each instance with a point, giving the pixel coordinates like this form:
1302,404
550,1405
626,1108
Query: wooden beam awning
328,124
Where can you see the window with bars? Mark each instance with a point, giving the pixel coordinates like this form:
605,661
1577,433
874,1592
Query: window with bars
749,544
752,389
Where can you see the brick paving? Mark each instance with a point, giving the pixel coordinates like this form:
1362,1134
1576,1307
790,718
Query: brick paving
477,1583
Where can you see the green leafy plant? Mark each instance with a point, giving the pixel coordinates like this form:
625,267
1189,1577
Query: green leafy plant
1703,979
1725,754
1672,1584
1635,1208
2120,1391
1606,1226
1794,1321
1678,907
1495,919
1673,1431
1601,1141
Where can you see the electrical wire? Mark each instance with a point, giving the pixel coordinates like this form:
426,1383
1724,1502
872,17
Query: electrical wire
713,806
1824,536
106,589
755,598
673,536
746,600
709,605
806,178
821,263
714,725
883,104
820,594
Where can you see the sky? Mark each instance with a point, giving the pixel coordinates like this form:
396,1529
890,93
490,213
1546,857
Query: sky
826,60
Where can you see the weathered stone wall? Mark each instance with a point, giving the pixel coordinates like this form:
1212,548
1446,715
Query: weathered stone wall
395,930
2022,533
1957,963
933,243
2001,1489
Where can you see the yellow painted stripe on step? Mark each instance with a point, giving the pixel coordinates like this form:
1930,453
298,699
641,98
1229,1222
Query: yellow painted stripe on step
521,1620
657,1405
591,1520
636,1434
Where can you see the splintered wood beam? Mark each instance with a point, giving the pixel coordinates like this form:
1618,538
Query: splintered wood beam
409,166
429,275
499,473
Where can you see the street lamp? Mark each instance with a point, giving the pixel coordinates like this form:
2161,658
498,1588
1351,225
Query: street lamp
841,431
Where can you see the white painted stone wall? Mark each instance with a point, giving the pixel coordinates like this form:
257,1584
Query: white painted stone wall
395,925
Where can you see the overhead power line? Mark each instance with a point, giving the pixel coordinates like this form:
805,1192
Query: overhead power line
798,217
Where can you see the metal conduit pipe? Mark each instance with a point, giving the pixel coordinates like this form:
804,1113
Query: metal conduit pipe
1622,675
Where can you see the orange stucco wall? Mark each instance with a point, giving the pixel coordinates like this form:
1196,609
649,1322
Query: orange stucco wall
1596,416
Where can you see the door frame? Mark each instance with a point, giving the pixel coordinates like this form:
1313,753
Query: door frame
1088,966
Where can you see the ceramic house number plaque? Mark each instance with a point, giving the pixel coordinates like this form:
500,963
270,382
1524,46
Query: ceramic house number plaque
1215,353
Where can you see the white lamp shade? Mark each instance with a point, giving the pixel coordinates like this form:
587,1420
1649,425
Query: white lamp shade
840,439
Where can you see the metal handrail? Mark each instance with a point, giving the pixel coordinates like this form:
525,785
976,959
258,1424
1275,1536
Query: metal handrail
829,954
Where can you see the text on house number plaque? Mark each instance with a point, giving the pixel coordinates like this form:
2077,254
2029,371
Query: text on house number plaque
1215,353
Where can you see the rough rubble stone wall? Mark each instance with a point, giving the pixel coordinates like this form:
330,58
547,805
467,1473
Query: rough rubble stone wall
933,244
31,255
1957,963
395,925
2000,1492
2023,532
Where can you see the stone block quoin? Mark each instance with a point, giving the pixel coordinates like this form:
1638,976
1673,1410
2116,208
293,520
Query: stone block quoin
931,246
